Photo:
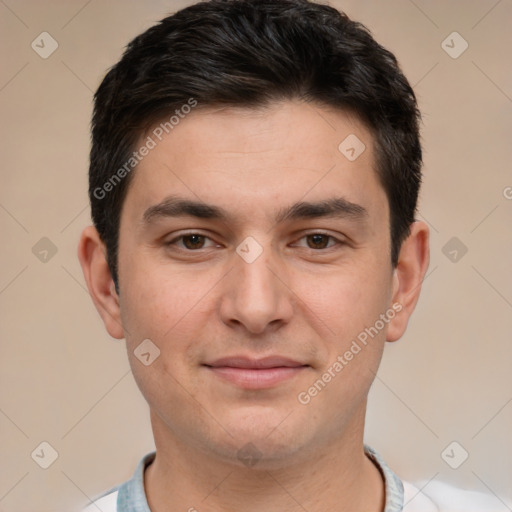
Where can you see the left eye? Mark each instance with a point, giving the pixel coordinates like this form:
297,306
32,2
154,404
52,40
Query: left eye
319,241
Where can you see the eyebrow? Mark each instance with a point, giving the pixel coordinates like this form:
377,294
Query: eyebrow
336,207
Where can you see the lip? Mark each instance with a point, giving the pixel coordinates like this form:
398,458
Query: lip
255,363
252,373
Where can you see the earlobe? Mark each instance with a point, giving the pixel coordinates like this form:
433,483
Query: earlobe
92,256
408,277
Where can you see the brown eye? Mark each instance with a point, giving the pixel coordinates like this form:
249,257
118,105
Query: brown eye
190,242
193,241
318,241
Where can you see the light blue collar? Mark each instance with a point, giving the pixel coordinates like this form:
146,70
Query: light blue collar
132,497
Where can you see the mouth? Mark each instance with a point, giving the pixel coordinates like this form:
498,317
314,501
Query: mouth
251,373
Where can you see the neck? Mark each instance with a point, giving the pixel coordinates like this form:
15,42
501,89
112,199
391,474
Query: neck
336,477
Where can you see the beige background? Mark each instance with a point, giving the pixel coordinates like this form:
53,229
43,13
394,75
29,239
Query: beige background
64,381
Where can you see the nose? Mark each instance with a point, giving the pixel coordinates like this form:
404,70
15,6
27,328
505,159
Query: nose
256,296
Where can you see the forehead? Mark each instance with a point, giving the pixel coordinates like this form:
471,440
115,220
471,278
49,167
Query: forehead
254,161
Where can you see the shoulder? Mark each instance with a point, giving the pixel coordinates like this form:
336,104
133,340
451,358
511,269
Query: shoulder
441,497
106,502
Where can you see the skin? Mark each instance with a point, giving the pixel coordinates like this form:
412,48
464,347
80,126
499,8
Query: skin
304,298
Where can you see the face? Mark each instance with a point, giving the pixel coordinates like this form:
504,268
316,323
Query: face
256,298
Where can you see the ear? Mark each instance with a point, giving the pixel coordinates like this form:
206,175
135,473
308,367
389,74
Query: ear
408,277
92,255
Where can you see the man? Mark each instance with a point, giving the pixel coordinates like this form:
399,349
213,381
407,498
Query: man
254,175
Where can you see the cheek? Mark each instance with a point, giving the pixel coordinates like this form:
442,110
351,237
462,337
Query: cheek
163,307
172,309
345,301
158,298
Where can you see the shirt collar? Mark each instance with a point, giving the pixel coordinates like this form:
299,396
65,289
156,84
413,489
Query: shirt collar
393,484
132,497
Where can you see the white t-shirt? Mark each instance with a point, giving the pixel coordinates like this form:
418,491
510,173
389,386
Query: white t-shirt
400,496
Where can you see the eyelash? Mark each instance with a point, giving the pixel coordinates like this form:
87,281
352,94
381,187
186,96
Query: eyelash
174,240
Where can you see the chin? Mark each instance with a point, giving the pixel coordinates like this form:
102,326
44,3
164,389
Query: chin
259,455
263,442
